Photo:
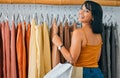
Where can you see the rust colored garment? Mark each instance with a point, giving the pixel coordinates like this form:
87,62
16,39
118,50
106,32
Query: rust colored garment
24,51
7,46
27,41
55,52
4,51
1,53
66,36
60,32
19,49
13,53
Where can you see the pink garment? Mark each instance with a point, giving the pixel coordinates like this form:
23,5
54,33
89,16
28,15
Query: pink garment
7,47
4,51
13,53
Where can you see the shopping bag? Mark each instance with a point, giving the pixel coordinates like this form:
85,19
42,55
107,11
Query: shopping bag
76,72
60,71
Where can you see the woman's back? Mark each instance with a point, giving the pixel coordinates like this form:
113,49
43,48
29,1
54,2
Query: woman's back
90,49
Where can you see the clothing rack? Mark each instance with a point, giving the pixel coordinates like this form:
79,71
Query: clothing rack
68,11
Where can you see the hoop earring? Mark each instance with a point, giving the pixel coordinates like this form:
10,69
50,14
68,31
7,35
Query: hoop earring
92,19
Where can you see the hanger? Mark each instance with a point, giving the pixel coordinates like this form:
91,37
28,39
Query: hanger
52,18
0,16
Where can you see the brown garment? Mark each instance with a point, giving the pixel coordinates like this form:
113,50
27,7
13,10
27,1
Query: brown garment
19,49
72,28
7,44
66,41
27,44
1,53
60,29
4,51
55,52
13,53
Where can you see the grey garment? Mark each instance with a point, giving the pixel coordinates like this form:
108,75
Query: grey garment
108,51
103,58
113,43
117,54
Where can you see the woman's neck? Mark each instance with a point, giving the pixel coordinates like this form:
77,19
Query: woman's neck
86,25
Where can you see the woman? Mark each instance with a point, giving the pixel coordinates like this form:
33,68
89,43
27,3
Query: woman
86,42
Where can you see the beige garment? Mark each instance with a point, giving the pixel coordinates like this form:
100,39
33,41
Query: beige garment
32,70
77,72
40,51
47,53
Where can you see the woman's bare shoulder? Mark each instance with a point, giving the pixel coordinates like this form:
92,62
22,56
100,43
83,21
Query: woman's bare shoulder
78,33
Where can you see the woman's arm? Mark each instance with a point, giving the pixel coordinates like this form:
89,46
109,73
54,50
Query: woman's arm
75,48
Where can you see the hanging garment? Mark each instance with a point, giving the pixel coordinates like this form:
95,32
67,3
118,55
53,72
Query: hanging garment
55,52
19,49
47,53
117,38
7,44
32,70
71,29
4,51
60,33
108,51
27,42
103,58
13,52
40,51
113,47
24,50
1,53
66,36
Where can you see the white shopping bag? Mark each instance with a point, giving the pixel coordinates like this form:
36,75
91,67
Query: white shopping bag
60,71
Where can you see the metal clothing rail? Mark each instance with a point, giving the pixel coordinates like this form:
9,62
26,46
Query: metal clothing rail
69,11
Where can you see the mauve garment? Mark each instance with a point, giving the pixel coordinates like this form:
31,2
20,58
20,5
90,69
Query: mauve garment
7,46
4,51
13,52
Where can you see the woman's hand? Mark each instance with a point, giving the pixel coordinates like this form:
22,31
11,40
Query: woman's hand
56,40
